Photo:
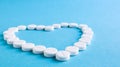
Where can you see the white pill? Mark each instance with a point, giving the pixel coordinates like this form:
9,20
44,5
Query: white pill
13,28
86,40
83,26
11,40
8,36
31,27
50,52
73,50
87,31
18,44
38,49
13,31
21,27
56,26
80,45
49,28
86,28
8,32
64,24
73,25
62,55
27,46
40,27
87,36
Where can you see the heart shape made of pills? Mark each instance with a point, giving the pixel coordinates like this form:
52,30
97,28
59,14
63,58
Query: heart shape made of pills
61,55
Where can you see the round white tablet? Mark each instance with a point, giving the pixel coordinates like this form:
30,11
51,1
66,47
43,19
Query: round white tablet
83,26
22,27
40,27
73,50
6,32
50,52
87,31
9,36
56,26
64,24
11,40
62,55
38,49
80,45
85,39
27,46
13,29
49,28
87,36
73,25
31,27
18,44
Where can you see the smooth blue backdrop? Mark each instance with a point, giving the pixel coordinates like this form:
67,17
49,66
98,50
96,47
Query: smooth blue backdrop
102,15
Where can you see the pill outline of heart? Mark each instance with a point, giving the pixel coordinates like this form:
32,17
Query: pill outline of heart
62,55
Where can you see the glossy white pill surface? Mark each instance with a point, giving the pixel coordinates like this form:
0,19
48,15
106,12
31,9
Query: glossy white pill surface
18,44
50,52
80,45
49,28
73,50
31,27
62,55
38,49
40,27
27,46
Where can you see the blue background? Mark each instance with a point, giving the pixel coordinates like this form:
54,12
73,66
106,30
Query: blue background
103,16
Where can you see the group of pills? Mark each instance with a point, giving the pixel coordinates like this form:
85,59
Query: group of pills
61,55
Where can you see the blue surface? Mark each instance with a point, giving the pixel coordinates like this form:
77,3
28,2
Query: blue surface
102,15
